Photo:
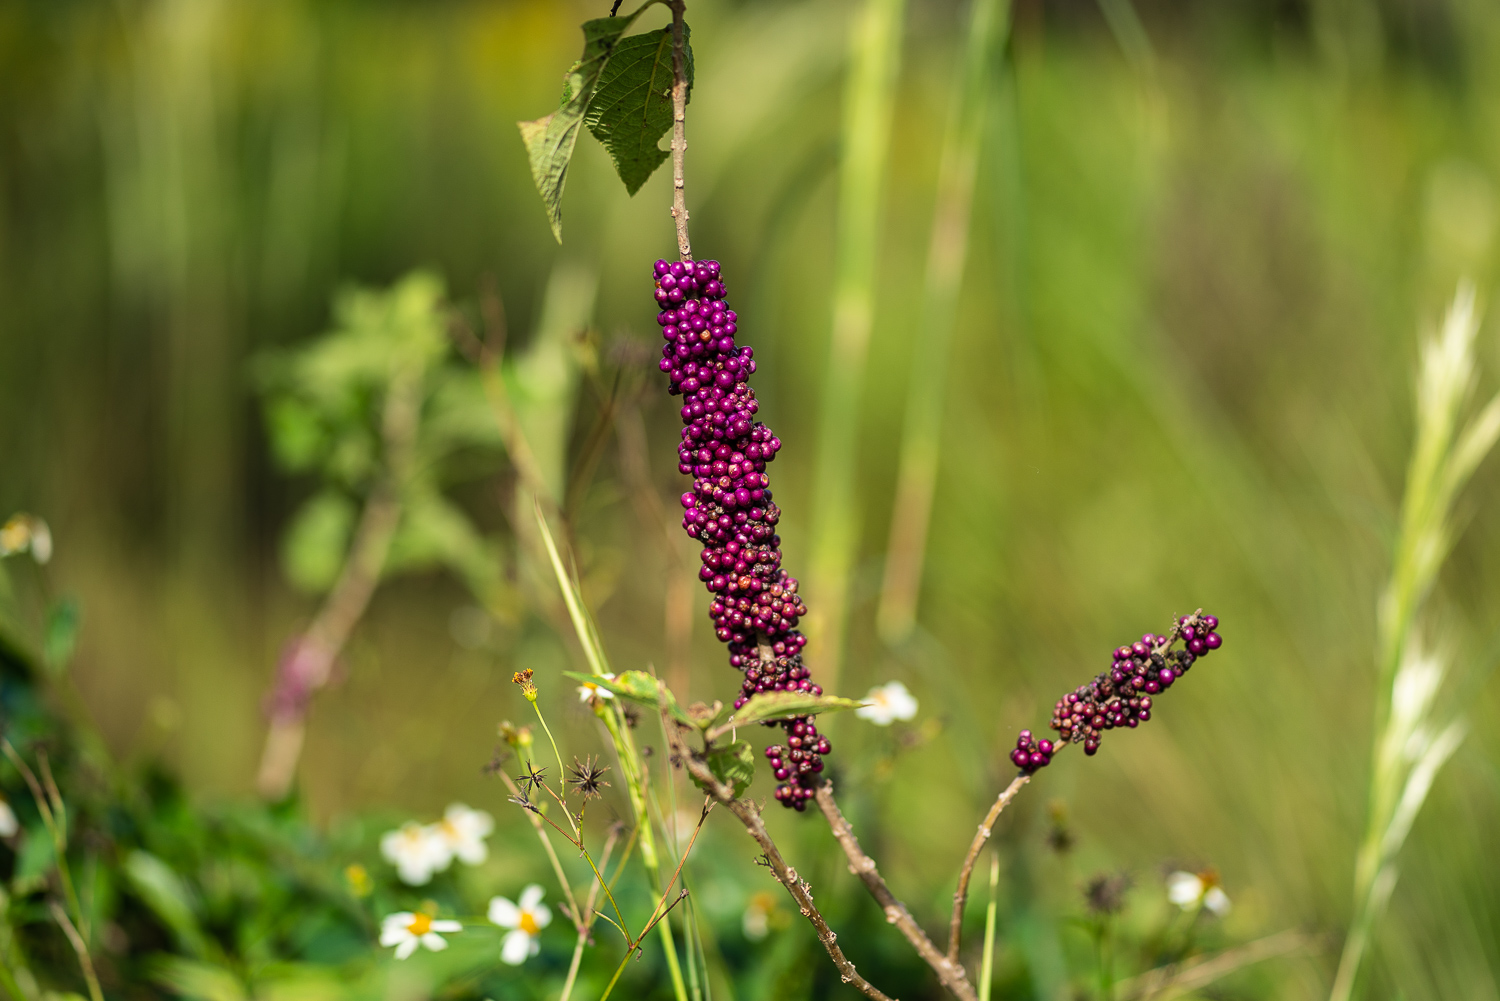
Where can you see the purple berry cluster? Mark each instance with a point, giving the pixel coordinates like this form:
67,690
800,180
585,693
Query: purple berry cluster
1121,696
755,606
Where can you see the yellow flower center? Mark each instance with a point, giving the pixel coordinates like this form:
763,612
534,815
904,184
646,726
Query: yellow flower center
528,923
421,924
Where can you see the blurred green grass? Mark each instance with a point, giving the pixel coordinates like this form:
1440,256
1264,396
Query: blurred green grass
1182,377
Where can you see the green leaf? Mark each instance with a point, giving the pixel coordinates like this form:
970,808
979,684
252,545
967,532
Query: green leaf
550,141
312,552
632,106
63,620
637,686
733,765
298,438
169,898
200,981
38,853
782,705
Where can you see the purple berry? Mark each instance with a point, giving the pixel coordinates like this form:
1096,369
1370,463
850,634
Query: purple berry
730,510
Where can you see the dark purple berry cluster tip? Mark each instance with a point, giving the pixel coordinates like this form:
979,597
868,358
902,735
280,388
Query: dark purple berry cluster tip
1122,695
1030,753
755,606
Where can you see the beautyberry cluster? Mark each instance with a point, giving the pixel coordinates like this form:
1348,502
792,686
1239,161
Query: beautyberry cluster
1121,696
755,607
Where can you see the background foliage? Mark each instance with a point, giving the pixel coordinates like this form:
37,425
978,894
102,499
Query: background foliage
1182,377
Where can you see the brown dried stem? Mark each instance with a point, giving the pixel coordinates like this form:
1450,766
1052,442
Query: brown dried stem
947,968
981,837
801,892
679,129
308,665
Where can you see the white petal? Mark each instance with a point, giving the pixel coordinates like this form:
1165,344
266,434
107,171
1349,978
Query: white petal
531,896
1217,901
542,915
8,823
393,928
516,947
504,913
475,823
434,942
448,927
414,872
903,703
471,852
1184,889
407,947
586,692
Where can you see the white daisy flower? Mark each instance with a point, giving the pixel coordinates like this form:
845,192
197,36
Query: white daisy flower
417,851
463,831
9,825
526,919
406,931
588,690
25,531
888,703
1188,890
756,921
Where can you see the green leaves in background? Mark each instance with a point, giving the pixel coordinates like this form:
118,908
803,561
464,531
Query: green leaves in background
61,636
621,90
327,413
312,551
169,898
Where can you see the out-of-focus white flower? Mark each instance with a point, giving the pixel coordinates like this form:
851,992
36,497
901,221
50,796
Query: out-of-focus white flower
417,851
1189,889
26,531
526,919
406,931
588,690
756,921
463,832
9,825
888,703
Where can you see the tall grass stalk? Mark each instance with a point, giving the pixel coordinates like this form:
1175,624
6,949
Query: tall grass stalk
1411,745
874,56
947,252
987,963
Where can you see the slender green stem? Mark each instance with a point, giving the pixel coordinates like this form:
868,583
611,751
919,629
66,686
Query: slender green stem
8,981
987,963
573,965
561,771
630,766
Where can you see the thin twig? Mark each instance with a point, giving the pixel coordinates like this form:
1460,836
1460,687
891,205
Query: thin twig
584,922
948,970
981,837
309,662
1167,981
679,130
801,892
79,946
557,869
